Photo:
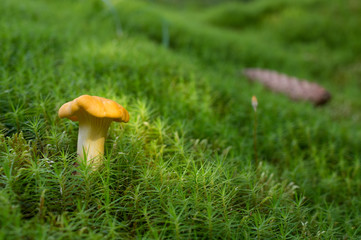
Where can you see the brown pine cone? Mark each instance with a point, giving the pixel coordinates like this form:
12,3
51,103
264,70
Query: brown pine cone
296,89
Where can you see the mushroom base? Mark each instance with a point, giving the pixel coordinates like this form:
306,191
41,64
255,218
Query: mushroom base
91,139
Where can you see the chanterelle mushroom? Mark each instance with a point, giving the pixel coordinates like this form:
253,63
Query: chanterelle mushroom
94,115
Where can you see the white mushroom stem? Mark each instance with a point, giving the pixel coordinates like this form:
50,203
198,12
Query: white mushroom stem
91,138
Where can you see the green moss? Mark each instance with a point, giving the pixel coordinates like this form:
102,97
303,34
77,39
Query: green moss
183,166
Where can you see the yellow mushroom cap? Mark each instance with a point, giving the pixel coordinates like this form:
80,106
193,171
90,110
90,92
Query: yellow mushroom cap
95,106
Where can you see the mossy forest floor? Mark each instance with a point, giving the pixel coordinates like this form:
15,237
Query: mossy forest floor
184,165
